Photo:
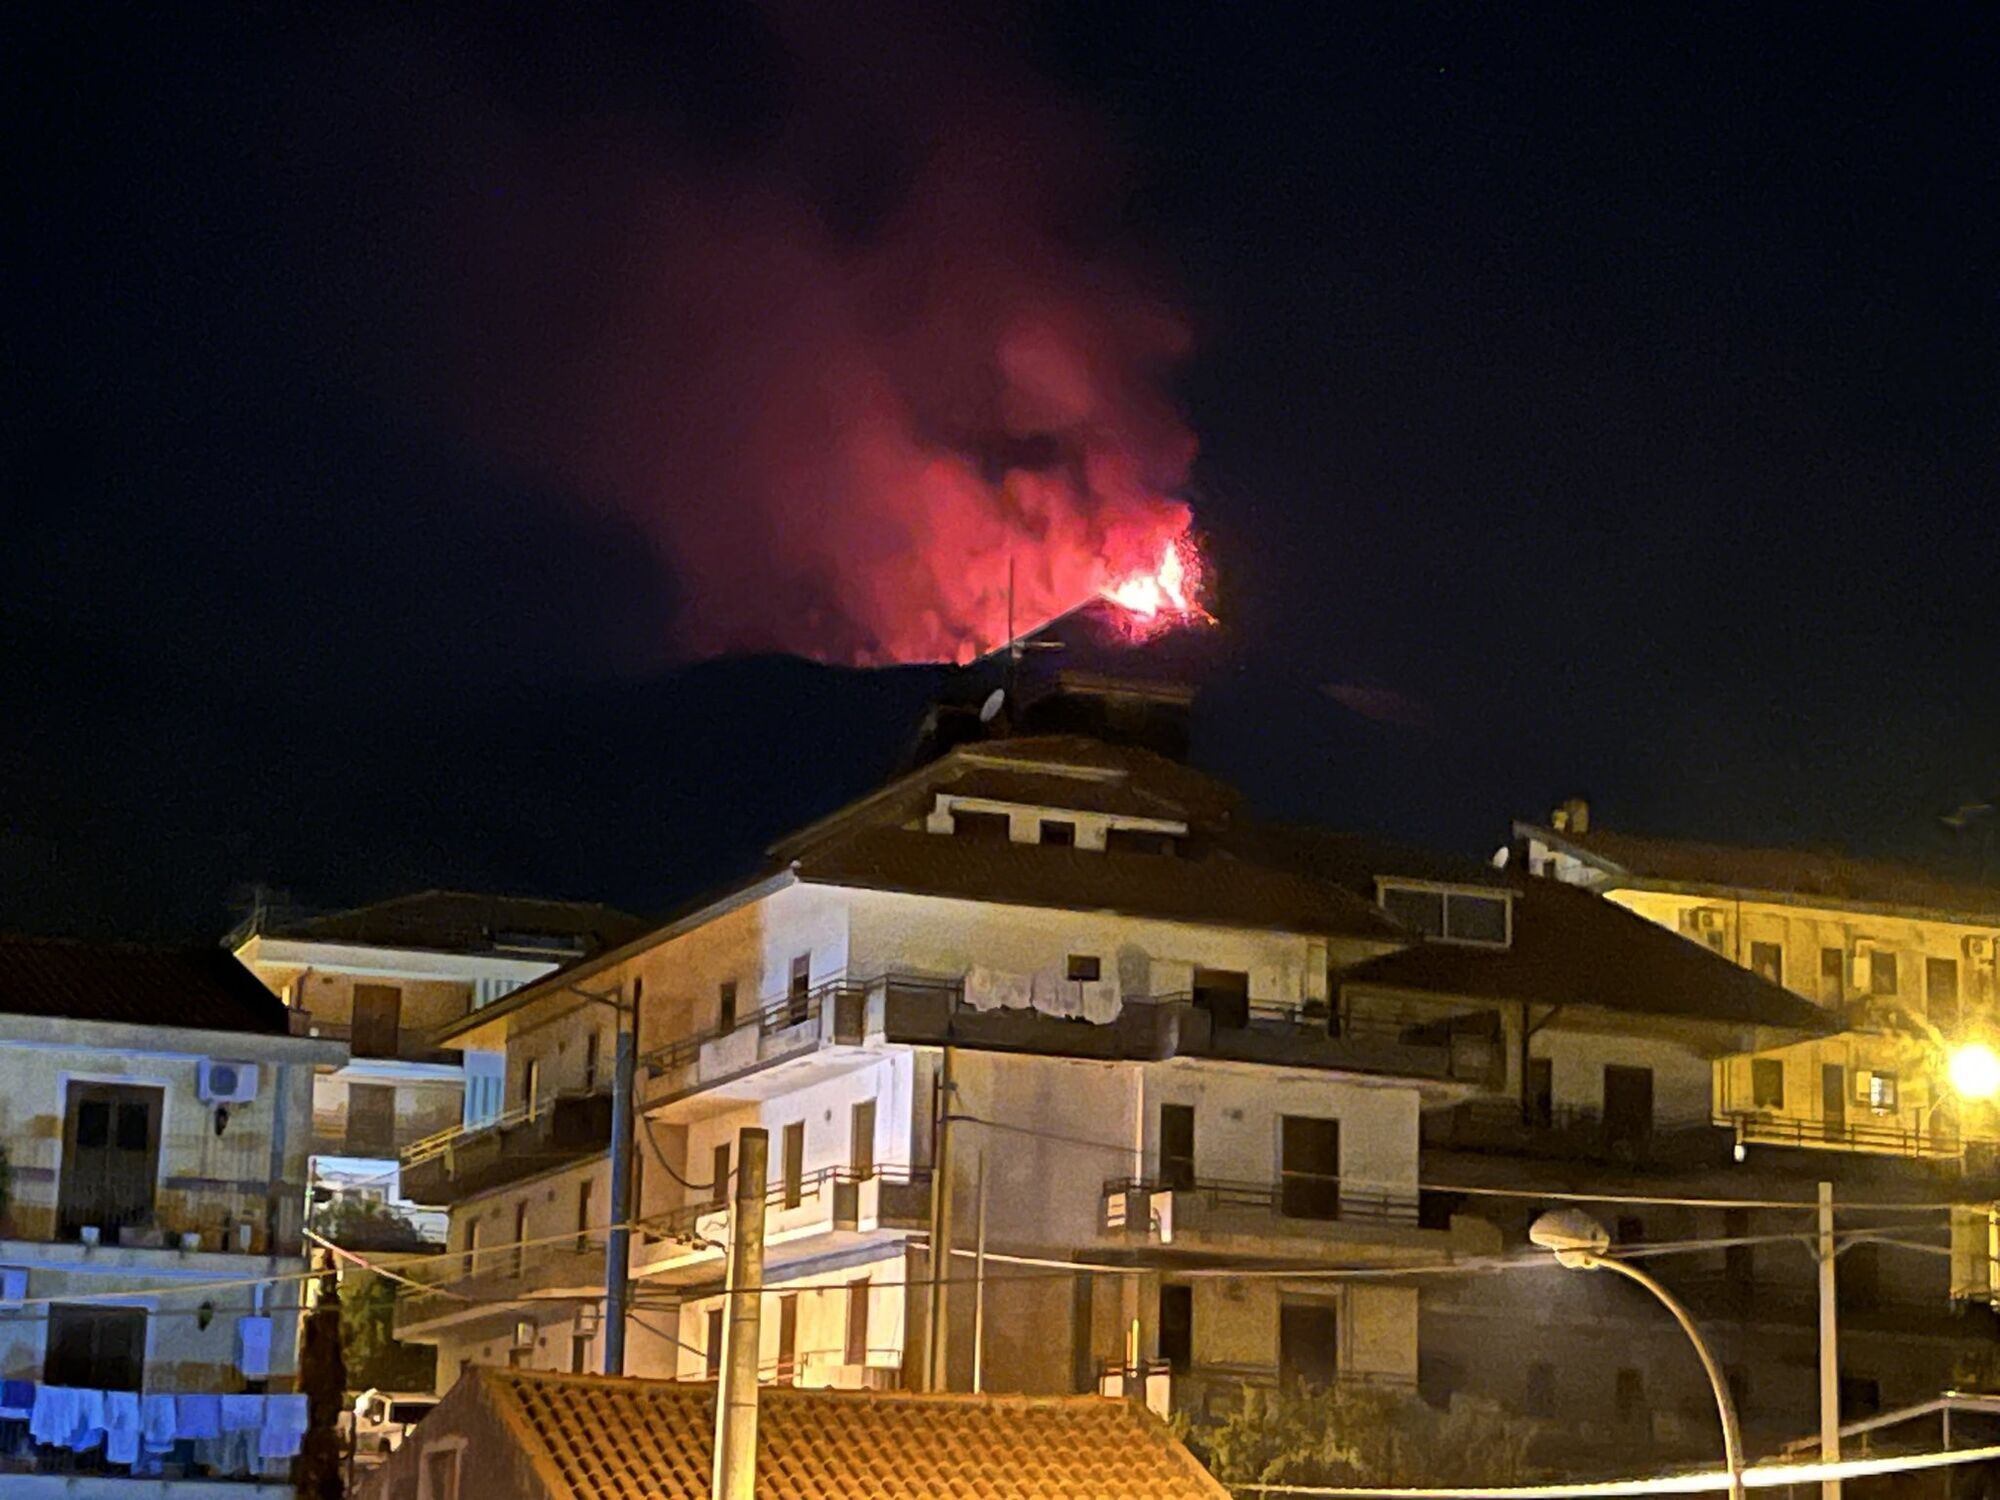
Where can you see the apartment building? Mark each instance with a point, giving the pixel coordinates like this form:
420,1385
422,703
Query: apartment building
1153,1072
385,979
156,1113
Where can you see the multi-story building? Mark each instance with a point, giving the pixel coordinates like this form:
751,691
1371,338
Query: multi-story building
156,1114
385,979
1153,1077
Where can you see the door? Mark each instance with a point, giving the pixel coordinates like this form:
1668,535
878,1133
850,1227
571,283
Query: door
111,1158
795,1163
1539,1106
1177,1325
371,1119
1225,995
1309,1167
1628,1105
862,1153
1833,1101
378,1014
788,1338
95,1347
1308,1342
1177,1146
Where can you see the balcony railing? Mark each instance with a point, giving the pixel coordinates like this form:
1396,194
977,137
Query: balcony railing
1164,1210
847,1197
369,1045
1938,1138
1212,1389
552,1132
1499,1125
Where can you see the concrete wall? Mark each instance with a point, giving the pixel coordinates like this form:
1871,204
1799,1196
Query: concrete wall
823,1300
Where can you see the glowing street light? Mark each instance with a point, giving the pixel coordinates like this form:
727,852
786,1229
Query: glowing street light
1975,1071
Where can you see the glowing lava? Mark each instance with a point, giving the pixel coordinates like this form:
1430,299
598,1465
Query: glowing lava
1168,595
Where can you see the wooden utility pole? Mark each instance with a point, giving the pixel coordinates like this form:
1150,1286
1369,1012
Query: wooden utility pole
736,1397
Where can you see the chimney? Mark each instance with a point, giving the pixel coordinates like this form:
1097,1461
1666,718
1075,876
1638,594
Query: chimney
1572,817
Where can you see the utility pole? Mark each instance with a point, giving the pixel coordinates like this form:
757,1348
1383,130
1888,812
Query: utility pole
736,1398
1829,1346
937,1375
617,1244
979,1285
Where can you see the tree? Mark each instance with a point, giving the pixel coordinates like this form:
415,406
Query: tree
323,1379
375,1358
1362,1435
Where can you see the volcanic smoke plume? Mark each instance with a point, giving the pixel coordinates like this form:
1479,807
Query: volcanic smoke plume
844,379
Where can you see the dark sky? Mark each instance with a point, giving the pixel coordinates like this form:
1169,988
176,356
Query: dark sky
1621,395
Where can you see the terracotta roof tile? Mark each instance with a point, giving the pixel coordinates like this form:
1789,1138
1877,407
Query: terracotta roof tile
603,1438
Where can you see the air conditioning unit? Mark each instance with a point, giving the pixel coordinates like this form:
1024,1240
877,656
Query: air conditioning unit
1979,947
524,1334
225,1082
589,1318
1710,919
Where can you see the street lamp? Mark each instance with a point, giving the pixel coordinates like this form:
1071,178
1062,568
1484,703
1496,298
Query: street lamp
1579,1243
1975,1071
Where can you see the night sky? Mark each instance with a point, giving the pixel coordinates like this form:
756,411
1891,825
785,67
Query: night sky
1606,405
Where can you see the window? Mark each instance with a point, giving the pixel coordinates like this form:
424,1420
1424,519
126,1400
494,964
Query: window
471,1246
982,827
725,1006
1629,1398
1177,1146
1177,1325
857,1322
1438,1380
531,1083
1224,994
378,1013
371,1119
1767,1082
1058,831
861,1152
1308,1342
1881,973
1309,1167
590,1046
485,1083
1767,961
719,1176
111,1158
1860,1397
797,996
1540,1101
795,1163
1941,992
520,1237
1455,916
1541,1395
1085,968
788,1338
486,991
1832,975
583,1224
439,1479
711,1348
1628,1104
96,1347
579,1354
1137,841
1876,1090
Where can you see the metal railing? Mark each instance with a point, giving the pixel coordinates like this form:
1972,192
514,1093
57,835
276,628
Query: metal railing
1934,1140
683,1223
1574,1131
1297,1196
438,1143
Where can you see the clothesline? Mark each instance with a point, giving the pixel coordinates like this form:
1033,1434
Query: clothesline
232,1433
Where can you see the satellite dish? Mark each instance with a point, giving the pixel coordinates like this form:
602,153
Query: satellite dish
991,707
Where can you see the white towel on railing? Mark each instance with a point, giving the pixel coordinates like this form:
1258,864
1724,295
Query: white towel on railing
158,1421
285,1420
121,1426
243,1413
996,989
1099,1002
253,1347
56,1413
1056,996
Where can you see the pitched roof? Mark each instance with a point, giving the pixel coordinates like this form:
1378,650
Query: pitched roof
468,922
197,988
1571,947
1809,874
612,1438
1212,887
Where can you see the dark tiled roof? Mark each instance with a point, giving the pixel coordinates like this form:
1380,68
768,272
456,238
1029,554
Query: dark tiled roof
1356,860
198,988
1574,948
466,922
1211,888
604,1438
1800,873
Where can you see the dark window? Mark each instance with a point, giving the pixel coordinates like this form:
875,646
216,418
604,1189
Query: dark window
579,1354
1833,1101
520,1237
1767,961
371,1119
1177,1325
1177,1145
1628,1104
1137,841
1438,1380
531,1083
1860,1397
984,827
861,1153
788,1338
1309,1167
1631,1230
719,1176
725,1006
1941,992
1420,911
1224,994
583,1224
1630,1395
857,1322
1057,831
1541,1398
590,1046
1832,974
797,996
111,1158
1540,1103
712,1345
1767,1082
378,1013
1085,968
795,1163
95,1347
1308,1342
471,1246
1881,973
1475,919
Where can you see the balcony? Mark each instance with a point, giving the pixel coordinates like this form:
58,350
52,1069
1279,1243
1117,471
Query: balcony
1211,1391
455,1164
1939,1139
741,1056
1498,1126
1299,1214
688,1242
498,1284
371,1045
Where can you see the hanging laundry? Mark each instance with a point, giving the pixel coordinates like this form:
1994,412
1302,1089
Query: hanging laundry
197,1416
55,1415
158,1423
17,1399
121,1426
253,1347
285,1421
